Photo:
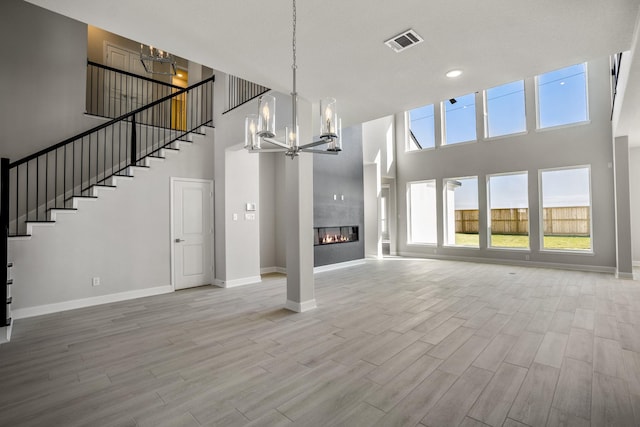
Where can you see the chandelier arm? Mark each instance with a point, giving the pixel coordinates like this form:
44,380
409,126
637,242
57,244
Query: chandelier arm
276,142
307,150
313,144
268,150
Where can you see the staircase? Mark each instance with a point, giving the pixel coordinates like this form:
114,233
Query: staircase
39,188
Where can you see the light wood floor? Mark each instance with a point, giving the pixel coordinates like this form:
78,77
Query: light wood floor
393,343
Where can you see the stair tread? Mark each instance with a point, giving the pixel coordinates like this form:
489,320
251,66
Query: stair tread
104,185
9,281
40,222
140,166
62,209
126,176
172,149
9,265
9,300
8,322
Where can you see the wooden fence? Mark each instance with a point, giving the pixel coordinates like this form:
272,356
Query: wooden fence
561,221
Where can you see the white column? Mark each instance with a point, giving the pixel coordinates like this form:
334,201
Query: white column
624,261
299,221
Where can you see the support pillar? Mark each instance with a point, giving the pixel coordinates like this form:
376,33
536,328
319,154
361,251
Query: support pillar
624,259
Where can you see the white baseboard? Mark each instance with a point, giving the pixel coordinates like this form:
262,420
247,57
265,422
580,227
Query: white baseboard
636,263
300,307
267,270
22,313
5,333
557,266
338,265
237,282
628,276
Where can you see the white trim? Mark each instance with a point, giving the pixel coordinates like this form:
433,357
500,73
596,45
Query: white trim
300,307
338,265
5,334
626,276
267,270
252,280
636,263
558,266
22,313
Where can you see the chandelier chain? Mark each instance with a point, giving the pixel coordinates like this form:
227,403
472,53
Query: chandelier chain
294,66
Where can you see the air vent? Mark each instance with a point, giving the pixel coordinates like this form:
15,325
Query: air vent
404,41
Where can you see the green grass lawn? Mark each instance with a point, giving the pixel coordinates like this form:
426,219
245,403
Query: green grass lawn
514,241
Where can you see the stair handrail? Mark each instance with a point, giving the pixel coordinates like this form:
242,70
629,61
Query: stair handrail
52,178
4,240
130,74
109,123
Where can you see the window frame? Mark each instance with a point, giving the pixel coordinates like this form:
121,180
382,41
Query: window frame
539,128
542,249
485,102
445,205
409,212
489,225
443,122
409,133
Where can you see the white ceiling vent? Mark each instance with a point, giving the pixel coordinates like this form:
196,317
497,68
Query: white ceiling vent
404,41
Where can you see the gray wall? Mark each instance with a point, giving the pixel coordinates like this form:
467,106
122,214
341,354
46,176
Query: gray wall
585,144
42,86
123,237
634,190
340,175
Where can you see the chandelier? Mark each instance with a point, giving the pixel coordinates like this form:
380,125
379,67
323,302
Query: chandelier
260,128
150,55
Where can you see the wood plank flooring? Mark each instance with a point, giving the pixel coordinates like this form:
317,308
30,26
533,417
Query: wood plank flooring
396,342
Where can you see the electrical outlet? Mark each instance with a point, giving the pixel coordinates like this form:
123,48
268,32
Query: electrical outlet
95,281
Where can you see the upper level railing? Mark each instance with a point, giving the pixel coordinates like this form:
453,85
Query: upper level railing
50,178
112,92
241,91
4,235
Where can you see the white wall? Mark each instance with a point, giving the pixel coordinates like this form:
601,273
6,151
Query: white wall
42,89
586,144
267,206
123,237
634,187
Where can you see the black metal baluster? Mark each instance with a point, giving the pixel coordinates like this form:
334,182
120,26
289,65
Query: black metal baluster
133,140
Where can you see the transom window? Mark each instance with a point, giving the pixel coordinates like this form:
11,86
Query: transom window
562,96
421,128
460,119
505,110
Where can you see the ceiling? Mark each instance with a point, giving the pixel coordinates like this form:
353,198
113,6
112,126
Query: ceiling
341,51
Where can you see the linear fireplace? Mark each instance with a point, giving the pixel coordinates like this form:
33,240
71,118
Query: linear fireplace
334,235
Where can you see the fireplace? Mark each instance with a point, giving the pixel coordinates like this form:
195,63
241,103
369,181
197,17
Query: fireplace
335,235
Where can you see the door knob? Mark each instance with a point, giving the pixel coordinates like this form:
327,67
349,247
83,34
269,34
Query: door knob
179,240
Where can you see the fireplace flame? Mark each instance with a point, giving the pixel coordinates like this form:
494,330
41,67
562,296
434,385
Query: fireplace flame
334,238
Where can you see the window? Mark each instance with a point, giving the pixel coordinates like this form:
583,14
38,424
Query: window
566,209
421,128
562,96
461,211
460,119
509,206
423,225
505,113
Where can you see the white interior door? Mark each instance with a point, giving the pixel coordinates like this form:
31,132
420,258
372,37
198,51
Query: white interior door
192,242
124,93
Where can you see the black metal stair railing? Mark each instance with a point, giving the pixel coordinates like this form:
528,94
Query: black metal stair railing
112,92
4,230
241,91
49,179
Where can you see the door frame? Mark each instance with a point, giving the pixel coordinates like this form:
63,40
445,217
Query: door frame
172,255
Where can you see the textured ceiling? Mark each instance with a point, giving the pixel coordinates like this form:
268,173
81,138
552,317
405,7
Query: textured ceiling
341,51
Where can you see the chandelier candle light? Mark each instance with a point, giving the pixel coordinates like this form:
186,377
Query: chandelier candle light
149,55
261,127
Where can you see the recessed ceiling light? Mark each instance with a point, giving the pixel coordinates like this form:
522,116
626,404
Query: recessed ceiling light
454,73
